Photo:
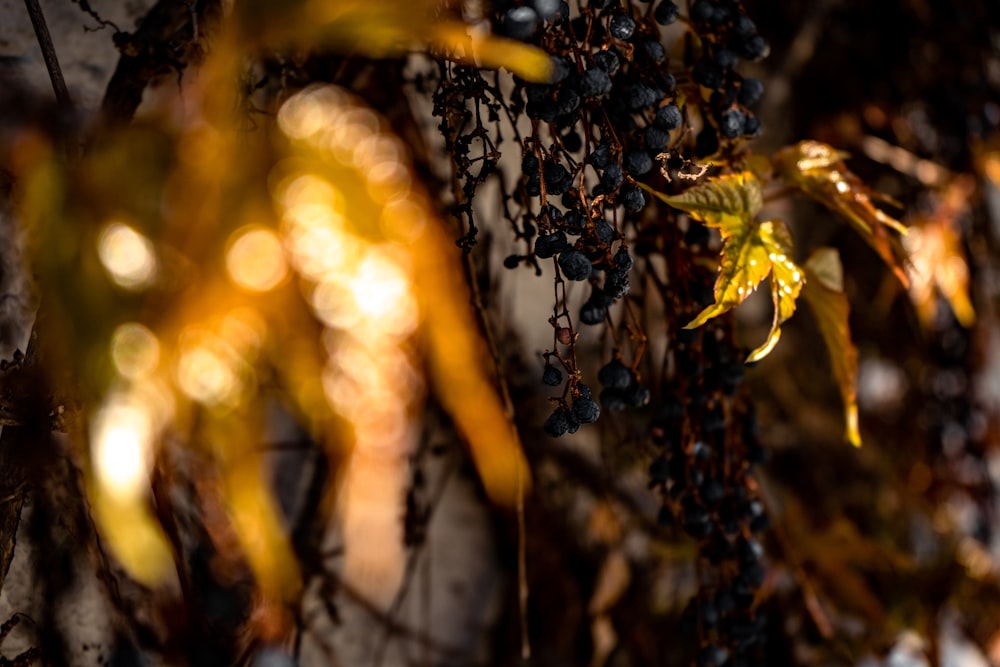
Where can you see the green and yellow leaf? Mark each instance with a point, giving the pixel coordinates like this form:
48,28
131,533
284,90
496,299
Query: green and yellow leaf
818,170
824,292
751,250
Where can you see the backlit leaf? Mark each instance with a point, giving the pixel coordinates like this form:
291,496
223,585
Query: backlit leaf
750,251
937,260
818,170
824,293
727,202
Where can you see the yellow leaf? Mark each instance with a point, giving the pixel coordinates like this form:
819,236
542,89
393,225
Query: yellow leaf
825,295
726,202
750,251
818,170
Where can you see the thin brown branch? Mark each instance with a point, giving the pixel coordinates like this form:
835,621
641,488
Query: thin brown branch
49,54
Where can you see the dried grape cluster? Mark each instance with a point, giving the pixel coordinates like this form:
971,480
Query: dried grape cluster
639,93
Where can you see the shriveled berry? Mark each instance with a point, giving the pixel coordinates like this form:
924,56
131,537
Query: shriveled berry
607,60
586,410
656,139
551,376
604,231
623,260
615,375
731,123
668,117
600,157
666,12
553,244
557,424
575,265
612,177
633,199
595,82
557,178
564,335
640,96
622,26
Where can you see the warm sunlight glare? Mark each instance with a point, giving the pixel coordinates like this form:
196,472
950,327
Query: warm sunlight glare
135,350
128,256
206,370
121,437
255,259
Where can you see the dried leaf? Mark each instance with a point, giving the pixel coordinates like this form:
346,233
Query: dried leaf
818,170
824,292
750,252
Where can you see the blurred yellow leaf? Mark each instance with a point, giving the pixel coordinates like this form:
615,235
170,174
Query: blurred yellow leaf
824,292
386,28
937,260
750,251
818,170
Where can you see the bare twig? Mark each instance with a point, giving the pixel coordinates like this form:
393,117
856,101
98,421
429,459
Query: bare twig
49,54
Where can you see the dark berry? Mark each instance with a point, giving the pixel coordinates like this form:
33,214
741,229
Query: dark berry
595,82
702,11
640,96
633,199
608,61
553,244
712,491
751,127
511,261
604,231
654,50
567,101
592,313
701,451
622,26
726,59
583,390
754,48
520,22
601,156
750,92
668,117
666,12
547,9
575,265
601,298
612,177
561,68
586,410
707,74
656,139
731,123
557,178
529,165
551,376
615,375
623,260
637,162
744,27
557,424
600,4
